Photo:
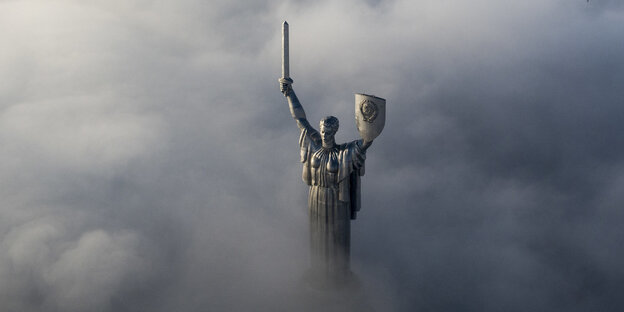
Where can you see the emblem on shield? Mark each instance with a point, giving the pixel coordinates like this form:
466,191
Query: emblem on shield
369,110
370,115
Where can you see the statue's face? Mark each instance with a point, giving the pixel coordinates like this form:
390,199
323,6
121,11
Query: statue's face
327,132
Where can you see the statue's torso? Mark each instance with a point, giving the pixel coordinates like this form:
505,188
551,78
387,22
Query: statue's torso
324,165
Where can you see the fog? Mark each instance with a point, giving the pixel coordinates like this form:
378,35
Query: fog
149,162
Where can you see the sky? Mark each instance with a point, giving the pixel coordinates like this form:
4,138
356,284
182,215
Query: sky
149,161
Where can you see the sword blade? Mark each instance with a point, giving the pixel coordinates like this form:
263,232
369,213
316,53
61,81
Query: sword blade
285,63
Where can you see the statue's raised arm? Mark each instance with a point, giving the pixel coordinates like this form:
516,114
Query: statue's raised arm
296,110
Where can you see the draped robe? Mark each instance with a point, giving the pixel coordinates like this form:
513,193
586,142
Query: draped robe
333,175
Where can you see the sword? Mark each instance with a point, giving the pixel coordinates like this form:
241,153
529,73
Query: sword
286,81
285,64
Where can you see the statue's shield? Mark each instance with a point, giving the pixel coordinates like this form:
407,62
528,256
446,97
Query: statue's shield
370,115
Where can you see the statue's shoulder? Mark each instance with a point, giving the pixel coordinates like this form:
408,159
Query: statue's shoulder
310,136
315,137
350,145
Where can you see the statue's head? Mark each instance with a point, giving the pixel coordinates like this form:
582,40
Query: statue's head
329,127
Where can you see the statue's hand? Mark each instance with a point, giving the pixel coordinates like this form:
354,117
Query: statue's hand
366,144
285,85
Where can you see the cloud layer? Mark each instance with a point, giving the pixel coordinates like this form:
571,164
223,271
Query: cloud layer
149,161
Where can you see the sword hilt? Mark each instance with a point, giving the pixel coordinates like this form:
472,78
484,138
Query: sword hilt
285,85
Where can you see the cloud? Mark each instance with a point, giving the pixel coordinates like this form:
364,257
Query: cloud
86,276
149,161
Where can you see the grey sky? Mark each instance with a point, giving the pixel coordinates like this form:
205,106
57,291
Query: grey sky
149,162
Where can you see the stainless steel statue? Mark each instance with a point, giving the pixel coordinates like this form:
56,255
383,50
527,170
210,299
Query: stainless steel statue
333,173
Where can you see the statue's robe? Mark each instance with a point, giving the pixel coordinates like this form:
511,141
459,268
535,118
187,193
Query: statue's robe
333,175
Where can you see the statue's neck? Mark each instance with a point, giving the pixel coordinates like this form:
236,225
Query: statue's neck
329,144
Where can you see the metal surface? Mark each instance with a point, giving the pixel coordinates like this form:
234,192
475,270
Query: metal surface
285,64
332,172
370,115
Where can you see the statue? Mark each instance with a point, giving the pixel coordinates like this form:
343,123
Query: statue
333,173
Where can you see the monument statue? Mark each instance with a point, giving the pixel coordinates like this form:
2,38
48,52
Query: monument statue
333,173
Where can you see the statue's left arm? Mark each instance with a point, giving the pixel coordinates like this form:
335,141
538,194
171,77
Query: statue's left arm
365,145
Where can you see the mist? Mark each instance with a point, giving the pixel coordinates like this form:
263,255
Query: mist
148,160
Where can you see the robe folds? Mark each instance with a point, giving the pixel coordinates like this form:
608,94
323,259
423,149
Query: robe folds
333,175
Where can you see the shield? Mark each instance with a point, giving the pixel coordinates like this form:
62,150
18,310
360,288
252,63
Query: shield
370,115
